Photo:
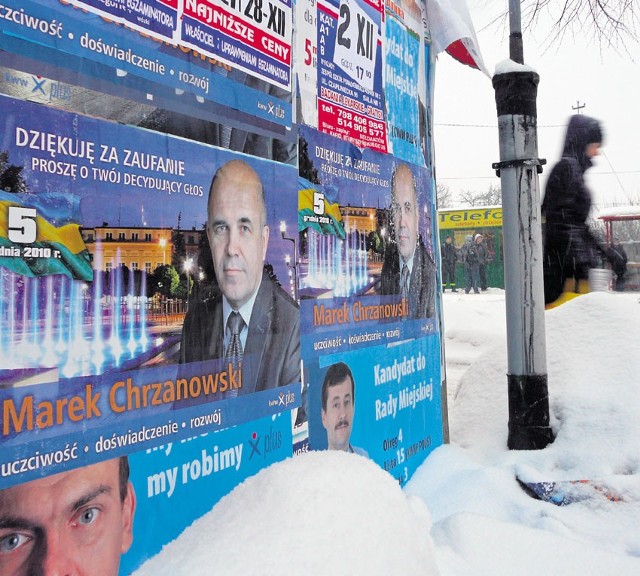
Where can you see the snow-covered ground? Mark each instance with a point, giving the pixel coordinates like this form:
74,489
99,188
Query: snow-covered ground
463,512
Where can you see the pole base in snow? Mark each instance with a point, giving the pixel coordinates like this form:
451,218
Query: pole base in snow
528,412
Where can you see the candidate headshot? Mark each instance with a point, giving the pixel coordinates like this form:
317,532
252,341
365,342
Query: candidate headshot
338,407
408,269
74,523
250,319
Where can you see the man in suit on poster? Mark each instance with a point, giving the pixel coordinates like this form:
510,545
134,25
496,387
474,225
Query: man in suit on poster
408,269
251,318
77,522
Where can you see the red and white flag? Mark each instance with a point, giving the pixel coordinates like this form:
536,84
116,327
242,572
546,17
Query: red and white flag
452,31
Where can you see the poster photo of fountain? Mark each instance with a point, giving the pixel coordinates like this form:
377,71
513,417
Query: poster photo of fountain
362,214
103,253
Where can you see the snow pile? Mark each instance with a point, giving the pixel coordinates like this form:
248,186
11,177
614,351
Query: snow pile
332,513
483,522
318,513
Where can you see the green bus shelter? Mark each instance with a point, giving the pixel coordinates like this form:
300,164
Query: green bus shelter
461,222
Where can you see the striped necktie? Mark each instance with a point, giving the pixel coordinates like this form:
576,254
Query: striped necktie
404,282
234,351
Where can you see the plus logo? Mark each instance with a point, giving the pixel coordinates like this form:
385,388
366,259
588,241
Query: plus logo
38,84
254,443
262,446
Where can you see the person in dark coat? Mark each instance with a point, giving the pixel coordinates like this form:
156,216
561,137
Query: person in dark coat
570,249
469,254
618,258
483,258
449,257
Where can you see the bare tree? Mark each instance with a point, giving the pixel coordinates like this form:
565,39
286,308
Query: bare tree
608,22
444,196
632,200
469,197
492,197
627,230
597,229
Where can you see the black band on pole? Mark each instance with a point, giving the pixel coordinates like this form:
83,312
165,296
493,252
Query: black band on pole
528,412
516,93
522,163
516,50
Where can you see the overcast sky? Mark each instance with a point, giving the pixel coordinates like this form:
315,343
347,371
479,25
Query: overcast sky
578,69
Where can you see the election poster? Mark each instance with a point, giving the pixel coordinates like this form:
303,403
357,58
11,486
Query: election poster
350,224
96,53
176,483
349,87
362,216
383,402
104,224
111,292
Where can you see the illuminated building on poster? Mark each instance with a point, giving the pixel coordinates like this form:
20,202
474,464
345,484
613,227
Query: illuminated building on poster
135,247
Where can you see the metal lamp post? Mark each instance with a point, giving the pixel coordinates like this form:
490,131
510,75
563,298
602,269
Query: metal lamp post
516,91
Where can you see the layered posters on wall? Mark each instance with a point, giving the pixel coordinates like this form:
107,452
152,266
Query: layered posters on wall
97,361
362,74
102,251
128,67
116,358
370,336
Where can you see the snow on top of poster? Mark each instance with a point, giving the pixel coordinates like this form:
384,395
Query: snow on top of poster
303,490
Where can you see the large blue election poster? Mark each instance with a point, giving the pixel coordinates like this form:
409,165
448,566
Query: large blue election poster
113,371
369,335
89,266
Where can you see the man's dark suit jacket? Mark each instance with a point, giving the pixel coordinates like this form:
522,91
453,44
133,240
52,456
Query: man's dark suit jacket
422,282
272,351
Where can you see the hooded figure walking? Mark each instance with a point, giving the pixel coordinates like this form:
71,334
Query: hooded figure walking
469,254
570,248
